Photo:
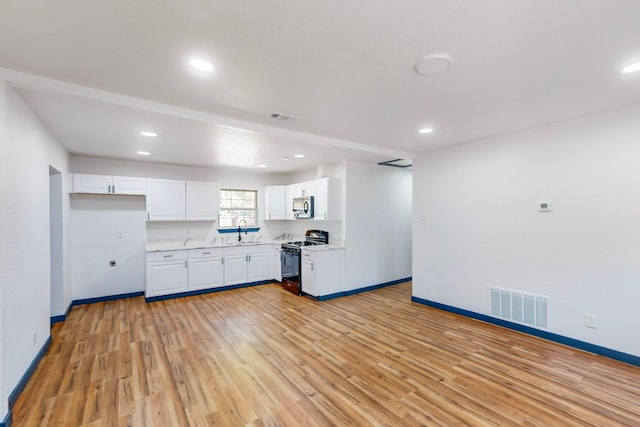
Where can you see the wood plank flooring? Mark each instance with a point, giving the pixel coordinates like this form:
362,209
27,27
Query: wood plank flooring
261,356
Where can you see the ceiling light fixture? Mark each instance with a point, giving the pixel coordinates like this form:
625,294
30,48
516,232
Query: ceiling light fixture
425,130
433,65
202,65
284,158
262,166
144,153
631,68
299,156
148,133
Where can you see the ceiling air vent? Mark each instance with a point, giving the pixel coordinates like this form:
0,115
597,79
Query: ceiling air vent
281,117
397,163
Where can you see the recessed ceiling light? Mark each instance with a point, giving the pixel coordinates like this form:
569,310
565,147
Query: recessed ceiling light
425,130
262,166
202,65
284,158
631,68
148,133
144,153
433,65
299,156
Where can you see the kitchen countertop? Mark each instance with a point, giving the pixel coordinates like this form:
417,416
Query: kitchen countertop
320,248
178,245
175,245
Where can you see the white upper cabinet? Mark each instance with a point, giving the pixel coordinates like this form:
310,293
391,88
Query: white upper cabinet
327,199
291,191
170,200
166,200
106,184
275,202
203,201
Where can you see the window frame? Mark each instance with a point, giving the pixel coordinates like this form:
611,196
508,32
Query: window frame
249,226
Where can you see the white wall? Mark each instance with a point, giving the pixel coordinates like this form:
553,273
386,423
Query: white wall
104,229
182,230
378,224
477,224
28,150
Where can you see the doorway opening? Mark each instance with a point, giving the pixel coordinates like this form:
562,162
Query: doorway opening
56,243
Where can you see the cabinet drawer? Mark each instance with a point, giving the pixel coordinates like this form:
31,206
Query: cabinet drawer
166,256
204,253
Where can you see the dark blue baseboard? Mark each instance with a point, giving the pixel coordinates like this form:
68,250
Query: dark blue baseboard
571,342
206,291
7,421
359,290
378,286
107,298
15,393
62,317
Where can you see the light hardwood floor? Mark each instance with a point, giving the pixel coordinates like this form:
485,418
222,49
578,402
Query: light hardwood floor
261,356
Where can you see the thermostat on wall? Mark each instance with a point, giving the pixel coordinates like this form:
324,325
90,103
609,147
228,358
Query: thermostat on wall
544,206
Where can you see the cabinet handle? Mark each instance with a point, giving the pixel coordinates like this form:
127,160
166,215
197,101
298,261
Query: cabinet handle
147,216
249,258
185,263
206,253
222,260
167,256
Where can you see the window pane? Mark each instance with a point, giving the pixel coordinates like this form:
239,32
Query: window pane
236,206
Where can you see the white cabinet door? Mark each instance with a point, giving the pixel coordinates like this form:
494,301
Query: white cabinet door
206,273
276,263
258,267
275,202
129,185
307,188
291,191
328,199
164,278
235,269
203,201
92,184
106,184
308,277
165,200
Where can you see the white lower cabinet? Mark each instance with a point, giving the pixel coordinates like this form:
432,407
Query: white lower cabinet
235,268
206,269
276,262
247,264
322,271
166,273
175,272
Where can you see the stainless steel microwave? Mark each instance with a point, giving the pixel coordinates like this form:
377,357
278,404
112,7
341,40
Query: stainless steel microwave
303,207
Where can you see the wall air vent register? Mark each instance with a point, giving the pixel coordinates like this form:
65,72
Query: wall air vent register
520,307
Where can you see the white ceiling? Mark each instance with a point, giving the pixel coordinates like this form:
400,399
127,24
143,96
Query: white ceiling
99,72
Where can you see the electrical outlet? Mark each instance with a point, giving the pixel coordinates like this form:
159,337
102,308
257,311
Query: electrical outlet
112,263
590,320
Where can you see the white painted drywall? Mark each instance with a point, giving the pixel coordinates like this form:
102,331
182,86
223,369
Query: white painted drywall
378,224
103,229
28,150
476,224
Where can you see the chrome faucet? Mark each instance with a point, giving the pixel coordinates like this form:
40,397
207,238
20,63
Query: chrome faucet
246,229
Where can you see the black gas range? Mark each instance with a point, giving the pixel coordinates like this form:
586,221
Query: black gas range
290,258
312,237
